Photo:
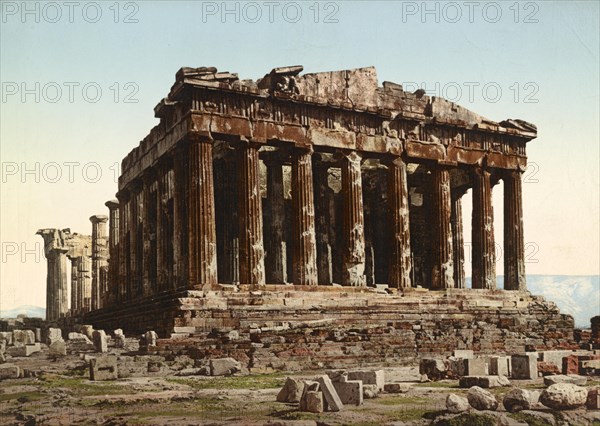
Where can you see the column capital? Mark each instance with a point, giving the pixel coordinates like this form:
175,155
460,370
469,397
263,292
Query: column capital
112,204
98,218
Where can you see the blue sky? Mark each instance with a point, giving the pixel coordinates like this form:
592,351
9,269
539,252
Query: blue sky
542,56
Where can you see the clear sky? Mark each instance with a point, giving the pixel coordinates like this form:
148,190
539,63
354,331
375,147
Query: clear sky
80,80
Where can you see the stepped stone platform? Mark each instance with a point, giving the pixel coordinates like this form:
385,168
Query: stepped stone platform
336,326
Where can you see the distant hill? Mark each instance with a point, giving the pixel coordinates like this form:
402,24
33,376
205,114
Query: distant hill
577,295
29,310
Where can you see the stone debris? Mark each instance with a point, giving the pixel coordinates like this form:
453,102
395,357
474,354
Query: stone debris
565,378
483,381
369,377
104,368
9,371
57,348
370,391
100,341
7,337
54,334
547,368
524,367
396,387
499,366
120,340
88,330
150,338
313,402
481,400
224,366
564,396
519,399
593,399
23,337
291,391
309,386
332,400
24,350
456,403
349,391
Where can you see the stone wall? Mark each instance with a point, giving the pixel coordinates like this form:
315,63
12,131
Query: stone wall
336,326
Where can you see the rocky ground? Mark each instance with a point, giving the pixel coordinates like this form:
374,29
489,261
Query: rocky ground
62,394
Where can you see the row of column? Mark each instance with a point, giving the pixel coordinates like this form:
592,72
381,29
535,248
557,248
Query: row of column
448,253
195,217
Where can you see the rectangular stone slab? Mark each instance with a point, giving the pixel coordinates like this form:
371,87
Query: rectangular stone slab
331,396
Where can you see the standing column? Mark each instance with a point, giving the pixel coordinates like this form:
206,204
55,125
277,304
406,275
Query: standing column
354,222
457,240
202,253
514,246
180,223
400,258
252,253
56,285
113,250
85,282
74,286
275,259
442,275
303,220
484,258
98,257
324,265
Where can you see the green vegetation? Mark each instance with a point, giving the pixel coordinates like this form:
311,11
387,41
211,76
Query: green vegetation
441,384
258,381
83,387
468,419
22,396
530,420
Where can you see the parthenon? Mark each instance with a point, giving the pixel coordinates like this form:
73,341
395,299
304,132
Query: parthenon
297,182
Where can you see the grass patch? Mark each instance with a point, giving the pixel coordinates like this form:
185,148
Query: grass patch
468,419
22,396
83,387
530,420
252,382
409,414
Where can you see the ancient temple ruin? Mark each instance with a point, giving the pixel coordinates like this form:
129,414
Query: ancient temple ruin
321,187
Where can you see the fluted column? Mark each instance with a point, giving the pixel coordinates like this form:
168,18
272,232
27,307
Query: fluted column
201,214
354,222
324,249
442,275
85,282
180,223
514,246
457,240
113,250
303,220
252,253
275,244
98,257
400,257
74,286
484,258
56,285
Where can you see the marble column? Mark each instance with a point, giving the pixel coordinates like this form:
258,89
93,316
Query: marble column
353,222
99,256
442,273
514,246
275,244
56,284
113,250
400,257
252,253
457,239
324,247
201,216
85,282
484,257
74,286
303,220
180,221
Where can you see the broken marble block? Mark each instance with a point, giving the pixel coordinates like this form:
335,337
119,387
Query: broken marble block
369,377
23,337
104,368
100,341
54,334
224,366
291,391
57,348
524,367
332,399
9,371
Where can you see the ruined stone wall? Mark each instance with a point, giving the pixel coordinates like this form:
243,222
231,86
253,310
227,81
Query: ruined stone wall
322,327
